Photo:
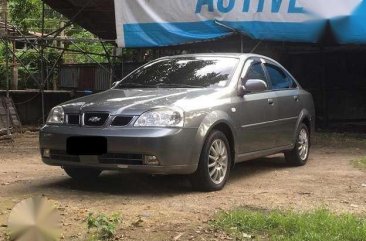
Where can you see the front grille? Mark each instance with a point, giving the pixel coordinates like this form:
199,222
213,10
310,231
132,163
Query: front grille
63,156
95,119
121,120
73,119
124,159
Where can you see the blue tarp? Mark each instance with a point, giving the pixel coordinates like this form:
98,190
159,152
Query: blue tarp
154,23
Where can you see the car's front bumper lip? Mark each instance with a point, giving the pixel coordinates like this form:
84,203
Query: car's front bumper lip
175,148
164,170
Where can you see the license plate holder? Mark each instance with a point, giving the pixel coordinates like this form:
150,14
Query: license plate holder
86,145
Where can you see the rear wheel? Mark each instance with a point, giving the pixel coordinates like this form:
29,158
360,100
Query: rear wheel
214,165
82,174
300,154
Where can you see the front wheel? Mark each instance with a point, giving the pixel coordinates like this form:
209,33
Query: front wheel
300,154
82,174
214,165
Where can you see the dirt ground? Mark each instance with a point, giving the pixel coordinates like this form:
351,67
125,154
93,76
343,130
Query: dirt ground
165,208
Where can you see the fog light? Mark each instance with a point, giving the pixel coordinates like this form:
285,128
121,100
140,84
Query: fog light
151,160
47,153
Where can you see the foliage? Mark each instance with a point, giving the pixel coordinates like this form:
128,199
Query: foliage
95,47
26,15
317,225
21,11
31,65
2,67
101,226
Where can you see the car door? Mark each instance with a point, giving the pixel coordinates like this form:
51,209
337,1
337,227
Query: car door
257,111
289,107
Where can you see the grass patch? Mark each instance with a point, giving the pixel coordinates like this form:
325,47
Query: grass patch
319,225
102,227
361,164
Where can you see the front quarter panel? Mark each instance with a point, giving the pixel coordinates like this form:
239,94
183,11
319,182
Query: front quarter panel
211,119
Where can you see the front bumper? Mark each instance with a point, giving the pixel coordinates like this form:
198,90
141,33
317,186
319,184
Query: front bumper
177,149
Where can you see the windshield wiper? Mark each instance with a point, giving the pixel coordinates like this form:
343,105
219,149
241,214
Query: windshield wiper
162,85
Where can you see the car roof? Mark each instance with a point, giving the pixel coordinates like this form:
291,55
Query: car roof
232,55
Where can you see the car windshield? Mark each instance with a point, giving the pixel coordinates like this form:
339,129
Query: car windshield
183,72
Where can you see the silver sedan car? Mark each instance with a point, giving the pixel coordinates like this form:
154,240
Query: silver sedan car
196,115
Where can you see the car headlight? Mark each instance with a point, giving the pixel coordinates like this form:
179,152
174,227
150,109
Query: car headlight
56,116
161,117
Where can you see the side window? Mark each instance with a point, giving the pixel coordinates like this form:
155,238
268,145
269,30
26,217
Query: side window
255,71
292,82
279,79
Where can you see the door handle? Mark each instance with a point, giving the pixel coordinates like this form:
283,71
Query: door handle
296,98
270,101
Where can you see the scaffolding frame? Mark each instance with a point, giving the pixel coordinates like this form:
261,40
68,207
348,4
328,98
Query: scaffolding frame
40,42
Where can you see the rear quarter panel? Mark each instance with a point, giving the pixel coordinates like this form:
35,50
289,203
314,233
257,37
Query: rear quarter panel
308,109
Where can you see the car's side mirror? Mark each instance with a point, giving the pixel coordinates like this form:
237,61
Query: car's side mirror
253,86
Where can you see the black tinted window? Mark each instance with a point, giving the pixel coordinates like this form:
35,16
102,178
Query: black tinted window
183,72
255,71
278,78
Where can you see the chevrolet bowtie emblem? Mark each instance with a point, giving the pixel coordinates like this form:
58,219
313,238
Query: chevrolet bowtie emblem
94,119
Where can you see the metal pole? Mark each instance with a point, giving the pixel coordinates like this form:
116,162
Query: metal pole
71,21
110,64
20,61
15,69
92,59
76,51
255,47
241,43
123,64
7,70
42,63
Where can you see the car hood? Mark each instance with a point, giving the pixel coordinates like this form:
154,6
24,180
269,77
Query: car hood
137,101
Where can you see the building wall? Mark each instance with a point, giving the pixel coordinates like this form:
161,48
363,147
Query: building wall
337,81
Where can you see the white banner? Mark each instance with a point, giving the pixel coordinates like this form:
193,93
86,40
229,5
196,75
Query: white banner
146,23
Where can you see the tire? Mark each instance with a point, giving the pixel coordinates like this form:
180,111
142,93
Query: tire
82,174
213,167
300,154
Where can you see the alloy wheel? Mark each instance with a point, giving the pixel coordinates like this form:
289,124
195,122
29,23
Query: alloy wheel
218,161
303,144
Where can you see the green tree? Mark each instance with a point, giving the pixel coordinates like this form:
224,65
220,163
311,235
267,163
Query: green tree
26,15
